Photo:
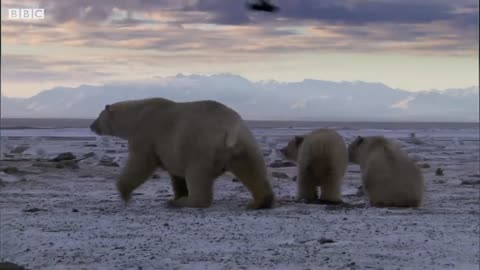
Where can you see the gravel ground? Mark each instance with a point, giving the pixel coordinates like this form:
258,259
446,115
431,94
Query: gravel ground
72,218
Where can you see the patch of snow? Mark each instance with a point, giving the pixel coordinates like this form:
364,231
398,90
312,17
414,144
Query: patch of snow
403,104
301,104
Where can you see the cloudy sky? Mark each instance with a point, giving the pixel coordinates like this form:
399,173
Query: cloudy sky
408,44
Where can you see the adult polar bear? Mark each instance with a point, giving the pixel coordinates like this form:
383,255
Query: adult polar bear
195,142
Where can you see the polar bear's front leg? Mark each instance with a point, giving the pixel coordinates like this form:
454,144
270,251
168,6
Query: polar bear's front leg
136,172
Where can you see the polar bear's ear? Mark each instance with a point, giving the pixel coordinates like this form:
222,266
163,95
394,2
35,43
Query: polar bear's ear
107,107
298,140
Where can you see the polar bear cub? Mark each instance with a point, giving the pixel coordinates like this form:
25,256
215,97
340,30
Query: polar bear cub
322,160
389,177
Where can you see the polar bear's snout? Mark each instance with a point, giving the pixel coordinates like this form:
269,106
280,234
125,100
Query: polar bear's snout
95,128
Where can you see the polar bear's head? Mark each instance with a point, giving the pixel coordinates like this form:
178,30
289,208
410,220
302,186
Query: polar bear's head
361,147
354,149
104,122
291,150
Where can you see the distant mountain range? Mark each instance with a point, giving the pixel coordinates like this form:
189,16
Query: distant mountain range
265,100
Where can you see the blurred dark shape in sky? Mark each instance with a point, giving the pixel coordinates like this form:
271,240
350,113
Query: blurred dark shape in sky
262,5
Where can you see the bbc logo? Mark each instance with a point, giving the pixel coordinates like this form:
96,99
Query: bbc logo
26,13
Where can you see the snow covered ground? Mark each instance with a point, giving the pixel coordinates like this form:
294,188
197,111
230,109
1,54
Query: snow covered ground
67,217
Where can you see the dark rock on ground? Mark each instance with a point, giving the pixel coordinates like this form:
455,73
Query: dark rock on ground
67,164
10,170
325,241
90,145
108,162
87,155
471,182
424,166
64,156
11,266
41,164
439,172
19,149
